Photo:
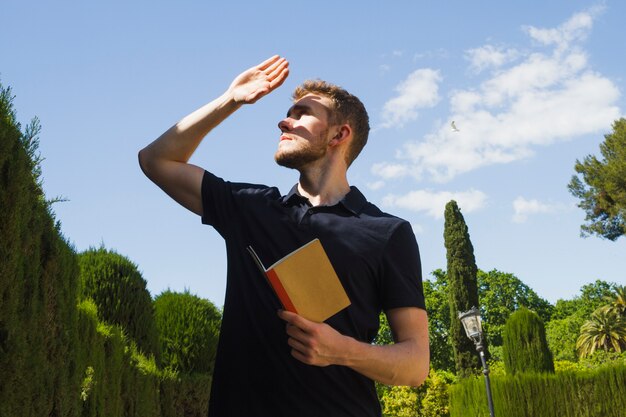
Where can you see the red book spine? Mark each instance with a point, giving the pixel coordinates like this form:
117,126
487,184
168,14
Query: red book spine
280,291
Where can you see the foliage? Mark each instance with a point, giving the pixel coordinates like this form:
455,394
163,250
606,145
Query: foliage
38,281
605,330
602,358
185,395
598,392
384,336
600,185
57,358
188,329
501,294
435,402
400,401
591,297
462,286
562,334
525,348
438,308
428,400
115,284
617,301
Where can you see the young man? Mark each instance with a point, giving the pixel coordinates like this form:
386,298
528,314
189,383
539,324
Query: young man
273,363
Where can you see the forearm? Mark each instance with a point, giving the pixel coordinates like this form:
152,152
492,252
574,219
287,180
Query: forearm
180,141
403,363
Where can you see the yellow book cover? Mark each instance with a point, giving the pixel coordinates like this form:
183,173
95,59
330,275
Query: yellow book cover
306,282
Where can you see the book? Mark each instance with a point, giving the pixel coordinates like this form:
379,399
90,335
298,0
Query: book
306,282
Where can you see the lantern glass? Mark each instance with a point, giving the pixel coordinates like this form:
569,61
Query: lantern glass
471,323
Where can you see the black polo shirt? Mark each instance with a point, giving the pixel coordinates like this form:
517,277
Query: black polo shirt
377,260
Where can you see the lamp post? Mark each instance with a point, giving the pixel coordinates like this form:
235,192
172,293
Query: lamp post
474,330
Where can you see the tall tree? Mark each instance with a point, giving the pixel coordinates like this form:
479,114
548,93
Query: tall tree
602,189
592,296
462,287
501,294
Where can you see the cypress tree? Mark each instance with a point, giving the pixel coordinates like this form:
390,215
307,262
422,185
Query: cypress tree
462,287
525,348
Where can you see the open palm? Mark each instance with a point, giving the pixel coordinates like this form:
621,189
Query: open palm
260,80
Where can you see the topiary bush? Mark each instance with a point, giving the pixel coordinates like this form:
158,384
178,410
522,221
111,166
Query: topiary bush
188,328
525,348
116,286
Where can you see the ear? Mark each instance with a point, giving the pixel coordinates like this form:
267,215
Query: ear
342,134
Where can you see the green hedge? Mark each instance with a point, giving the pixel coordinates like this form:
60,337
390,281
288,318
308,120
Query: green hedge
119,290
599,392
57,358
38,281
115,380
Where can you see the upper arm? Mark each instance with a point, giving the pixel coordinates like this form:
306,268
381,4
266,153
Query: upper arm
180,180
410,325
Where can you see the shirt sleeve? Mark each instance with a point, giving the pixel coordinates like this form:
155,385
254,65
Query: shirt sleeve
216,202
402,271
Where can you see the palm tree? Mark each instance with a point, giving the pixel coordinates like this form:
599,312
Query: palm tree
618,301
605,330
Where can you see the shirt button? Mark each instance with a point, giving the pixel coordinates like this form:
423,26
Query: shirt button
310,211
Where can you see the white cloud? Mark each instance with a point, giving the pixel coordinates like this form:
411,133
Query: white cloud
376,185
576,28
389,170
490,56
419,90
433,203
523,208
541,98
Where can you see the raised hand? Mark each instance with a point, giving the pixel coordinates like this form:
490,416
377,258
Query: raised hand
260,80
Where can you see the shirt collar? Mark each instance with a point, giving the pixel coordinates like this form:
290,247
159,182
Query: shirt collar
354,201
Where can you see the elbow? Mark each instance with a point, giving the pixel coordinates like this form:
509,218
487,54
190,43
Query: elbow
144,162
420,376
419,371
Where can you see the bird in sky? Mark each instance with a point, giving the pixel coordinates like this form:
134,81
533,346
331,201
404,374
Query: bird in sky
454,128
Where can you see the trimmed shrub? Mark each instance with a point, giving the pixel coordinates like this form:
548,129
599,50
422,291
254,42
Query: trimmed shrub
188,328
599,392
116,379
38,281
525,348
186,395
115,284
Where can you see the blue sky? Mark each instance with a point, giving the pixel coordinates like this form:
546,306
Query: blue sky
532,86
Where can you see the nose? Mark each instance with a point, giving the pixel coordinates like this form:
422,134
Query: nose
284,125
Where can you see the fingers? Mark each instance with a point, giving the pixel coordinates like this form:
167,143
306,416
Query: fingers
265,64
295,319
277,72
278,77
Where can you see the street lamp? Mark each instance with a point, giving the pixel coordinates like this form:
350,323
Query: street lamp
474,330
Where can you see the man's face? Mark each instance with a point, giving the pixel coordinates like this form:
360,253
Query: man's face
304,132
